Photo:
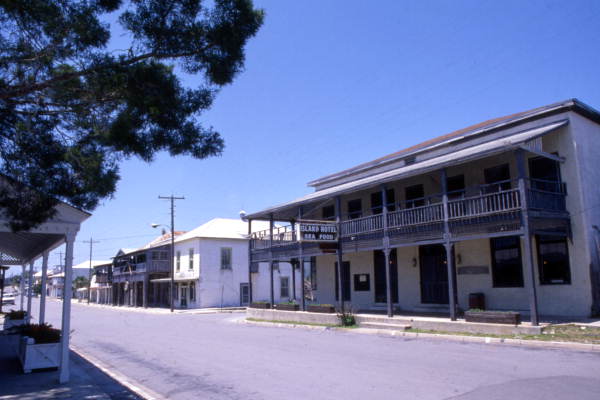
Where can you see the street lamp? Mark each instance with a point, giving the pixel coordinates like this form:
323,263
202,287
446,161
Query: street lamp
172,283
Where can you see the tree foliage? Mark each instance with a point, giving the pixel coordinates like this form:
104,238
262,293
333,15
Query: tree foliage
72,107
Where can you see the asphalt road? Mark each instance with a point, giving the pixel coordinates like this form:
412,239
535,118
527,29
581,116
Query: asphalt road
186,356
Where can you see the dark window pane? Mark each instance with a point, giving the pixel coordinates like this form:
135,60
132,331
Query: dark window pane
354,209
544,174
415,196
328,213
553,260
507,270
455,186
496,178
377,201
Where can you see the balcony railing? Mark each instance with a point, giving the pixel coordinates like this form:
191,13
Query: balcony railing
500,202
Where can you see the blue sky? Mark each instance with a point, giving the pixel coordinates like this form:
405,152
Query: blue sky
330,84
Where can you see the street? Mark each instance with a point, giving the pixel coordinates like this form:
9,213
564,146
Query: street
186,356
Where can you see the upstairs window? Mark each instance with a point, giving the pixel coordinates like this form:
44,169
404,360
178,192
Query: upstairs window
496,178
354,209
377,201
545,174
456,186
328,213
415,196
553,260
178,261
191,259
507,269
225,257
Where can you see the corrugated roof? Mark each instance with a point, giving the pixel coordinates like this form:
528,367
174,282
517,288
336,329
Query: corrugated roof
464,132
223,228
469,153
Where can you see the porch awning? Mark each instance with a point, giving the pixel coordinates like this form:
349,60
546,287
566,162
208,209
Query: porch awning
177,279
286,210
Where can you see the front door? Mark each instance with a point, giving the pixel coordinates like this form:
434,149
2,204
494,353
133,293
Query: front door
244,294
184,293
434,274
380,282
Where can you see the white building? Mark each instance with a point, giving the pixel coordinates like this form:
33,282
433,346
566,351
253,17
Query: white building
211,268
56,278
503,214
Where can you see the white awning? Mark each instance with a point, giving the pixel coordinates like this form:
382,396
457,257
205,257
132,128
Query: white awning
457,157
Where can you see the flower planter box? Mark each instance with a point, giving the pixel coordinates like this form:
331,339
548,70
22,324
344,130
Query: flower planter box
287,307
264,306
493,317
37,356
321,309
9,323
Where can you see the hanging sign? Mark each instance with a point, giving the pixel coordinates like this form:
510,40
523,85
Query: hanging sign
317,232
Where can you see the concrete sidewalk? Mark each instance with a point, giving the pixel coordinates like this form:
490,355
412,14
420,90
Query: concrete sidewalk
87,381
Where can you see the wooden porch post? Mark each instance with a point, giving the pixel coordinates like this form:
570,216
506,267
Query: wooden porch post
22,286
301,259
249,262
448,245
145,290
293,264
386,253
272,292
527,248
338,218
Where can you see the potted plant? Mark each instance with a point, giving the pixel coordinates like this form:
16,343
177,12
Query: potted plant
321,308
14,318
260,304
289,306
39,347
493,317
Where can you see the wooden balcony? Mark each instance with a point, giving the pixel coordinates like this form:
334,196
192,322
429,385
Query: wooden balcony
486,213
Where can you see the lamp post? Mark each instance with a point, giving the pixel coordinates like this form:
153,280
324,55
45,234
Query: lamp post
172,283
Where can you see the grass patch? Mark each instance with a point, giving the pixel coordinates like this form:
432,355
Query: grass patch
551,333
292,322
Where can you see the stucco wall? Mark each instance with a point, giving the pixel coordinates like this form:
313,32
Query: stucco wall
261,287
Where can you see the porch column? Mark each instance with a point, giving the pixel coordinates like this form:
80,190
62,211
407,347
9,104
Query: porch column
527,247
271,260
145,291
448,245
301,259
386,252
22,286
293,265
249,262
338,218
66,310
29,290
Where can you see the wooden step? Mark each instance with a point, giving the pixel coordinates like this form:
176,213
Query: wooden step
383,325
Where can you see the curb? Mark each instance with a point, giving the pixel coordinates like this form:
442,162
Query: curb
588,347
151,310
127,382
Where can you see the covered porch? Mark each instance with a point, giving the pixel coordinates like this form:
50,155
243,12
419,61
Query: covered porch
25,248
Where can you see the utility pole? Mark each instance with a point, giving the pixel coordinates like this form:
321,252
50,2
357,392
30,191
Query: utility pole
172,285
89,293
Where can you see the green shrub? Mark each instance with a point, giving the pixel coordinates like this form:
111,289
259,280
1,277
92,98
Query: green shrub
41,333
16,314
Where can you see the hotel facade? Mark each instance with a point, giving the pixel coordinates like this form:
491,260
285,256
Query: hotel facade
502,215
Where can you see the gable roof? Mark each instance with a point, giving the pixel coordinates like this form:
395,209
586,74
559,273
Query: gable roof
476,129
223,228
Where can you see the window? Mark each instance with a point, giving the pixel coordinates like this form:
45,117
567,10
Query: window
455,186
354,209
225,257
178,261
507,270
191,259
192,291
328,213
496,178
415,196
176,291
284,287
164,255
553,260
545,174
156,255
362,283
377,201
